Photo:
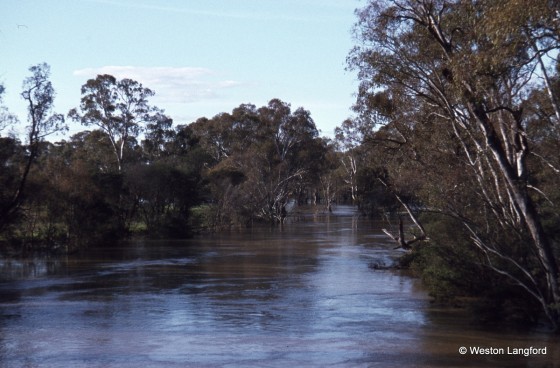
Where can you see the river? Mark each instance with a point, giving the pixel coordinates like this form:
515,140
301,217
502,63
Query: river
308,294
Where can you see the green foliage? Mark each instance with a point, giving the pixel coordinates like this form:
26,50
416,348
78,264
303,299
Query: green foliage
455,273
447,264
373,198
121,110
260,159
11,157
164,194
38,94
461,127
230,170
201,218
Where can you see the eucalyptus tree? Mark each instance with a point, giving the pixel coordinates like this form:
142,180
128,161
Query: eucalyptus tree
6,118
159,137
348,139
120,109
331,173
289,156
10,148
38,93
262,157
214,135
454,76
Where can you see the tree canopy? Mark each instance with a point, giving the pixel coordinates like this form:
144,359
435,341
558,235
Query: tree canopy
451,87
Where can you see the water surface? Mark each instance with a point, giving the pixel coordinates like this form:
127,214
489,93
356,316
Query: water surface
311,294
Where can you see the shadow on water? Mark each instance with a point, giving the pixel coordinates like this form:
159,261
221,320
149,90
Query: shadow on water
305,294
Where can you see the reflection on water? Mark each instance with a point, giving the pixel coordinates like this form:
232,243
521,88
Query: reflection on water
307,294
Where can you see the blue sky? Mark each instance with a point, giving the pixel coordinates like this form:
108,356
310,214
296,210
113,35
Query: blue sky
201,57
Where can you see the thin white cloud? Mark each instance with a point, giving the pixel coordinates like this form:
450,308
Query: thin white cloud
171,84
172,9
243,14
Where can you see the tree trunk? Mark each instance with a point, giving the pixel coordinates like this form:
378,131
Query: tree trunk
524,203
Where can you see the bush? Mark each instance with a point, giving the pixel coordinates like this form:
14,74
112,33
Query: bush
456,273
201,217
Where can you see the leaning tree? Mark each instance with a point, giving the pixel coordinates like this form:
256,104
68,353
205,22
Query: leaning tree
449,81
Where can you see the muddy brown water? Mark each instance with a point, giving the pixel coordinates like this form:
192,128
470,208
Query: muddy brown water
313,293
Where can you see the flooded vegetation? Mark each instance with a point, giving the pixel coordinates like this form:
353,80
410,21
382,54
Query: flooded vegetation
454,138
305,294
224,240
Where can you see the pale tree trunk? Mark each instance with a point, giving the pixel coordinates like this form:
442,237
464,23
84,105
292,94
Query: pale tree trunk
522,201
400,238
351,169
511,167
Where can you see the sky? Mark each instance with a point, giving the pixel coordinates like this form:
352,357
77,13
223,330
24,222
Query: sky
201,57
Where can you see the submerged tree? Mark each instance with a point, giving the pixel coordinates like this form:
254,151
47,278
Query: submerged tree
261,158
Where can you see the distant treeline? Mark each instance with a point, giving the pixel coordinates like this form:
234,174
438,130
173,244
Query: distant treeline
134,172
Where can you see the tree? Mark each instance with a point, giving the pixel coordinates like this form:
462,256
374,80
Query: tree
120,109
93,148
460,71
39,95
6,118
331,173
159,139
261,158
288,156
348,139
165,195
75,195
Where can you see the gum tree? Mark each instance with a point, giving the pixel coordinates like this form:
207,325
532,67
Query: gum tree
454,79
38,94
120,109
